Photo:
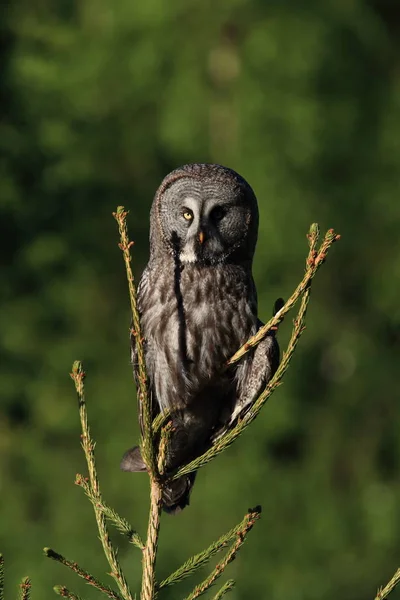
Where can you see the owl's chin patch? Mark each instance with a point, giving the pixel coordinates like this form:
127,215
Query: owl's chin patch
188,256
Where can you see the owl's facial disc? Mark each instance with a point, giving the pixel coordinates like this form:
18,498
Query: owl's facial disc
210,220
211,228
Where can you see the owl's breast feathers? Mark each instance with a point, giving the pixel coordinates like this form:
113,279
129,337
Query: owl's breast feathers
192,323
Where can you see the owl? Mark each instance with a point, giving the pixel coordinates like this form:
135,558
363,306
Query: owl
198,304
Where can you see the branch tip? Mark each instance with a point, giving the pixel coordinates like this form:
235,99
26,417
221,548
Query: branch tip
78,374
51,554
25,587
120,214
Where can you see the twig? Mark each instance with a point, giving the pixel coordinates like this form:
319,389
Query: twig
389,587
217,572
150,551
199,560
119,522
314,261
25,589
82,573
144,399
78,375
227,587
61,590
200,589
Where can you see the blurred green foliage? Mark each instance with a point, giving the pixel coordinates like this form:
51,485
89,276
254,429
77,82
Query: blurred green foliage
99,100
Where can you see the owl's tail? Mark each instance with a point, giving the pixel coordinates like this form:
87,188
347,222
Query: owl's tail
175,493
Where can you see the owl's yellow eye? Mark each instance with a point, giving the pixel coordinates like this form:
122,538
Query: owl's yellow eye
187,215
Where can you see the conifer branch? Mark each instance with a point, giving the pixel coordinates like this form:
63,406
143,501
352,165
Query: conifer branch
147,446
149,584
203,587
147,433
202,558
389,587
150,552
78,376
227,587
82,573
119,522
61,590
25,589
314,261
199,590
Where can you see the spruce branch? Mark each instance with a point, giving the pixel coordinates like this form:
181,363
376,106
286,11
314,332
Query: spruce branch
150,552
227,587
119,522
61,590
314,260
203,587
82,573
199,590
25,589
202,558
389,587
78,376
147,431
147,446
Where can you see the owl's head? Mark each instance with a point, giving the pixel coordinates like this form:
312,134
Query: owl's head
206,213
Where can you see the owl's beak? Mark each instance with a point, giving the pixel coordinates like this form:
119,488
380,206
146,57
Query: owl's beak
201,237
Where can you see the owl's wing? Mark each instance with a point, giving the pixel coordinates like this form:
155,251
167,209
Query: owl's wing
253,374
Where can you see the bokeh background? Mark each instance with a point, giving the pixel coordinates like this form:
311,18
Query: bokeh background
99,101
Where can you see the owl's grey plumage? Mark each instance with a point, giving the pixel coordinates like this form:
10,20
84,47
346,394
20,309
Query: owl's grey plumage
198,304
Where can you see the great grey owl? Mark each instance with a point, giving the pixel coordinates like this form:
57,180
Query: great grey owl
198,304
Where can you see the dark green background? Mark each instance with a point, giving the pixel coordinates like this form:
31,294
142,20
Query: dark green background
100,99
